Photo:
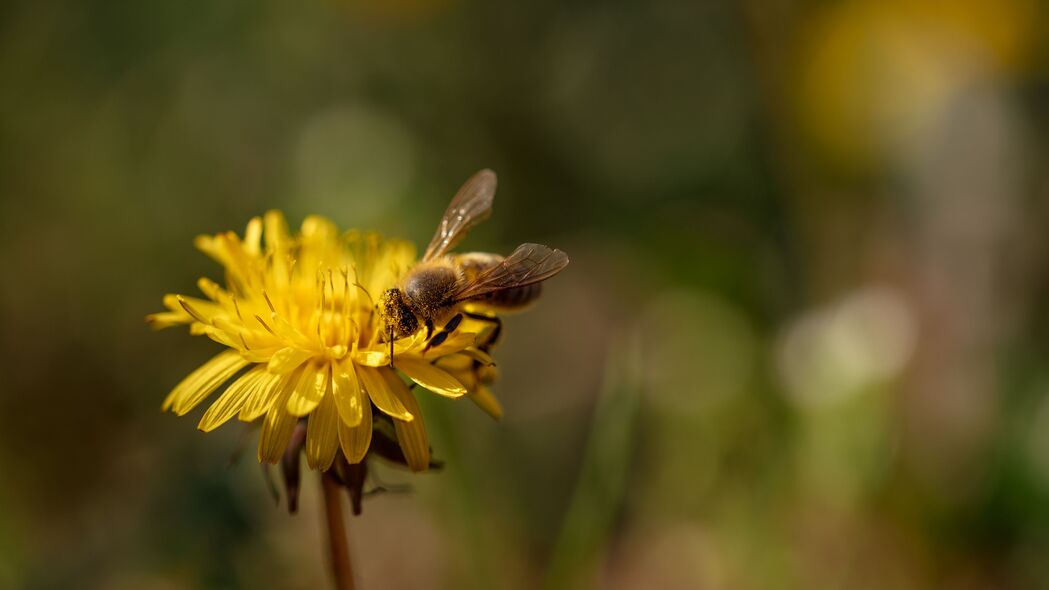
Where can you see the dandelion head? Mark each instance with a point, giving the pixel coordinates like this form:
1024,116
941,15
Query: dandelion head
300,316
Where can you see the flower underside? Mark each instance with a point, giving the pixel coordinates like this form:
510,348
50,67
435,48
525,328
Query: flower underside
303,338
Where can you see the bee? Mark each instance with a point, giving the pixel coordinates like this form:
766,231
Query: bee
435,291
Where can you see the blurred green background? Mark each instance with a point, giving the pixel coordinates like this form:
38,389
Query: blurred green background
802,342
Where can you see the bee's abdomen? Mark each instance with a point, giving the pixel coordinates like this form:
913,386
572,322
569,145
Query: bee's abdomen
514,297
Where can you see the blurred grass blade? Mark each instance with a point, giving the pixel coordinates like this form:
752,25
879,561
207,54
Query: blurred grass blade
598,495
462,506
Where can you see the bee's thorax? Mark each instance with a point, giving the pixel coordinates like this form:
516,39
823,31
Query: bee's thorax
430,289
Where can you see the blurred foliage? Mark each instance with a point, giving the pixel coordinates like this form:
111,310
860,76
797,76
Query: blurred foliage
820,225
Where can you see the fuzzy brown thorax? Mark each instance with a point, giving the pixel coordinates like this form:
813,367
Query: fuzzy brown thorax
425,294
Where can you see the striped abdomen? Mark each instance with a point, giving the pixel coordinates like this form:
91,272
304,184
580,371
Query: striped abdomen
512,298
474,263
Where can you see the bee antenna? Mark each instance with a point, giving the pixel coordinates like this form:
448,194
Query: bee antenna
391,346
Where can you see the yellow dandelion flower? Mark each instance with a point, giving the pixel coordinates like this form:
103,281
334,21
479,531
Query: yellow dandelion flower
298,315
315,323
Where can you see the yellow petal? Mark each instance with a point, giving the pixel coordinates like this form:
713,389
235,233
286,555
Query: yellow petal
253,236
482,396
275,231
263,396
430,377
347,393
231,327
288,359
379,391
171,302
411,436
277,427
372,358
415,341
478,355
210,288
378,354
259,355
208,245
201,310
318,230
356,439
232,400
455,343
166,319
200,383
285,330
221,337
322,435
309,390
197,308
455,363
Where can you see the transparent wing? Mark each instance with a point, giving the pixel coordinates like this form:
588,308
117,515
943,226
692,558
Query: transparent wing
470,206
528,264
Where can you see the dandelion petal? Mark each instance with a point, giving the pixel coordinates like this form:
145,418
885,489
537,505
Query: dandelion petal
277,427
478,355
309,390
232,400
347,393
166,319
380,393
410,435
262,397
372,358
455,343
356,439
253,236
287,359
322,434
432,378
200,383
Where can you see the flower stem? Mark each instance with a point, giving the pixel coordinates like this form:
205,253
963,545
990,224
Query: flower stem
338,543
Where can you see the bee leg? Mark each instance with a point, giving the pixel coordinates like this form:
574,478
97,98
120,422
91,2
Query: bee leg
436,341
443,334
496,331
453,323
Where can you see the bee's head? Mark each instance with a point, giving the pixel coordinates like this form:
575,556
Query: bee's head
398,317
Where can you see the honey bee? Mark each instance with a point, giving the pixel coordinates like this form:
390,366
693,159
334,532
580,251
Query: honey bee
437,288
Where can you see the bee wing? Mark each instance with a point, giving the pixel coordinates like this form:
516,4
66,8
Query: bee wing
470,206
528,264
